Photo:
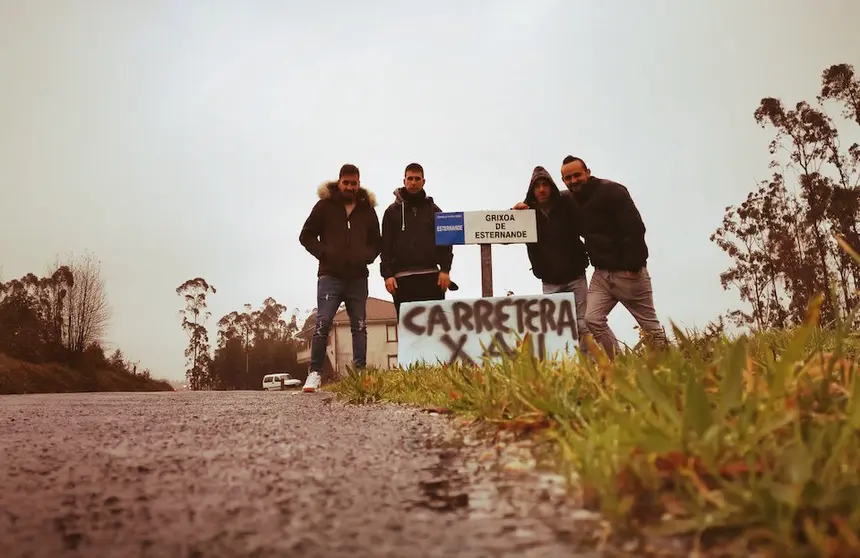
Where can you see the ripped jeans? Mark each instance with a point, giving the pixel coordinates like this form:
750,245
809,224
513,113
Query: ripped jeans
331,291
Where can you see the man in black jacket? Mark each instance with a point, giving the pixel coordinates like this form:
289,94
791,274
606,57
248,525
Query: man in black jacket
413,267
558,258
342,232
615,241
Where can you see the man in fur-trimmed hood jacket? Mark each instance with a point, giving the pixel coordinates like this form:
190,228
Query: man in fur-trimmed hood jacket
342,233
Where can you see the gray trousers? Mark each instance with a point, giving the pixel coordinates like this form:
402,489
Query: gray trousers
633,291
579,288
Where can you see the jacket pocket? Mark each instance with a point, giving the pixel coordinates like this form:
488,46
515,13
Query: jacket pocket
323,253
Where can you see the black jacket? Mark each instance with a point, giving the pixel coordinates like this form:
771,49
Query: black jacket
344,247
409,236
559,255
614,231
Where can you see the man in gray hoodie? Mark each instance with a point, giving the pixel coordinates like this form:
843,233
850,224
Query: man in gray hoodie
413,267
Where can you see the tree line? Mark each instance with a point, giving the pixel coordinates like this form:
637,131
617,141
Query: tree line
781,238
60,317
250,343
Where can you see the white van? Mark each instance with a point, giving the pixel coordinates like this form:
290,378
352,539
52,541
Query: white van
279,381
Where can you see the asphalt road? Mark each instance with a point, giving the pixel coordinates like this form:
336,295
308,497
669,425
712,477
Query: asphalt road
260,474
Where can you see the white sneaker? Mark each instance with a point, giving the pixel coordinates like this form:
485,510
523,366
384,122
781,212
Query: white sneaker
312,384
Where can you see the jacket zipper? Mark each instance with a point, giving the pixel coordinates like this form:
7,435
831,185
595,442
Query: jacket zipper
349,230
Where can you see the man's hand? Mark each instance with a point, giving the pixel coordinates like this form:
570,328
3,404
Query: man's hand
520,205
391,285
444,281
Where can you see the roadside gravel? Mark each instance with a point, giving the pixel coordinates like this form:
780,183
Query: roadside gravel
266,474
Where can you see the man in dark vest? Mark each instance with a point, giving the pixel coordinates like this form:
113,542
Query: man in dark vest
413,267
342,232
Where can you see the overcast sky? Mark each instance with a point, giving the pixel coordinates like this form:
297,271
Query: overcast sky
187,138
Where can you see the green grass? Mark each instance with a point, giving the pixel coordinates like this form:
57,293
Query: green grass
671,442
753,437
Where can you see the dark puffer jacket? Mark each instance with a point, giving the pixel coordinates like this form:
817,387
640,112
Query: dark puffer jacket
614,231
409,236
344,246
559,256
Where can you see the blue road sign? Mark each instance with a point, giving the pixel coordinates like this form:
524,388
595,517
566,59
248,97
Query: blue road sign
450,228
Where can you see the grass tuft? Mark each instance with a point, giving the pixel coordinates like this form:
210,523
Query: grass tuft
669,442
754,436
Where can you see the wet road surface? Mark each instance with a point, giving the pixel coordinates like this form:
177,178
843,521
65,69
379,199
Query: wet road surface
260,474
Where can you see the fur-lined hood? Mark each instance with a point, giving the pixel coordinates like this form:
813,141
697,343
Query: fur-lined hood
329,189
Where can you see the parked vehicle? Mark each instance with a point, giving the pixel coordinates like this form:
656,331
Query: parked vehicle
279,381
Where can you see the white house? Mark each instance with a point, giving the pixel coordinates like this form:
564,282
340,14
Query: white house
381,337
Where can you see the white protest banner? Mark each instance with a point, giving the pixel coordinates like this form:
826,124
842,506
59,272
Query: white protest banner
444,331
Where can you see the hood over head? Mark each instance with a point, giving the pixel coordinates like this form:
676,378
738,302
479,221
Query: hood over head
329,190
541,173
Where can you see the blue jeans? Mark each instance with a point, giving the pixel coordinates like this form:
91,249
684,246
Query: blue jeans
331,291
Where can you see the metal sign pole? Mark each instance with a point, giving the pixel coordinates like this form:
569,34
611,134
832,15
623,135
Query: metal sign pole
486,270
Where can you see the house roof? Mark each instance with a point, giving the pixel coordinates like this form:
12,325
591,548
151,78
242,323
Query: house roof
378,310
